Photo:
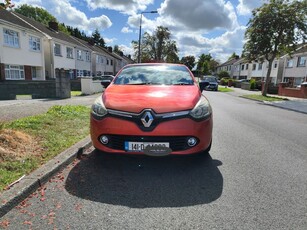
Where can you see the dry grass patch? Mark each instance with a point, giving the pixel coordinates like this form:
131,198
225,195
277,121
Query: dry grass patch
16,145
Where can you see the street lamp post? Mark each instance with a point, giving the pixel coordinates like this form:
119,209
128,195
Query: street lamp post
145,12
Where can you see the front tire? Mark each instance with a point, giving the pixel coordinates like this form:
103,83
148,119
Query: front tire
206,151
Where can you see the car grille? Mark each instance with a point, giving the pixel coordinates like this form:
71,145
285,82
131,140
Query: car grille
178,143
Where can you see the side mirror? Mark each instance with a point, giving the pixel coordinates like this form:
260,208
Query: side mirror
203,85
105,83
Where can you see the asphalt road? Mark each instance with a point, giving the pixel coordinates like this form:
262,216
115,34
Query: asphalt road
254,178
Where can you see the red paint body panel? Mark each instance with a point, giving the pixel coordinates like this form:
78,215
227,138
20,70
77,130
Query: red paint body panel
162,99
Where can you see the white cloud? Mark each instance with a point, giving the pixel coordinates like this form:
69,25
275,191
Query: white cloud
124,6
245,7
64,12
126,30
220,47
194,15
110,41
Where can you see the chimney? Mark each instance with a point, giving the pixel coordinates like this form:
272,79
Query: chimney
110,49
54,26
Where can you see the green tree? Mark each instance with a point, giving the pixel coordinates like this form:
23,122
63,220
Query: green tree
189,61
36,13
275,28
213,64
6,4
98,39
157,47
234,55
206,64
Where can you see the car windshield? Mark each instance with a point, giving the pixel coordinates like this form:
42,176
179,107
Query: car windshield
154,75
210,79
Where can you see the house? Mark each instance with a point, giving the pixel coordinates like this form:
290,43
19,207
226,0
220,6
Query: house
241,69
227,66
295,67
21,49
62,53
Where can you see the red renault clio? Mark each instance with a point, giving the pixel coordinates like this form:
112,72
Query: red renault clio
154,109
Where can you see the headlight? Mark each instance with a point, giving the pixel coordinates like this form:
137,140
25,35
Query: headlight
202,109
98,109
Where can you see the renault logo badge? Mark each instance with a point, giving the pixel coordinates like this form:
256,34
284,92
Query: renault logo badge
147,119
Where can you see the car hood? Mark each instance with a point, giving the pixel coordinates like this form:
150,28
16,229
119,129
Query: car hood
162,99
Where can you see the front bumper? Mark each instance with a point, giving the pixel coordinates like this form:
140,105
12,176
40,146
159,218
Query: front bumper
175,132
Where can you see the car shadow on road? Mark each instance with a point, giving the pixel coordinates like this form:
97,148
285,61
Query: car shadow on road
146,182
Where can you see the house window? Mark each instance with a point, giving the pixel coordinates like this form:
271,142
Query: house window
79,73
254,66
246,66
33,72
14,72
107,61
99,59
34,43
111,62
289,63
11,38
79,55
242,67
260,66
275,64
301,61
69,52
87,56
57,50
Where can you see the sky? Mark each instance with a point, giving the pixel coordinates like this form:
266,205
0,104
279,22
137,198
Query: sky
213,27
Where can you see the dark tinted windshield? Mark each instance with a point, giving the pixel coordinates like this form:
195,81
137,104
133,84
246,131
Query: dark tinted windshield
210,79
154,75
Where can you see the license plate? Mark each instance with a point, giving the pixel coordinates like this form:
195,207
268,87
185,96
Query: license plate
140,146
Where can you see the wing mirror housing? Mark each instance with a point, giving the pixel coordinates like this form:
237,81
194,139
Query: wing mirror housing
105,83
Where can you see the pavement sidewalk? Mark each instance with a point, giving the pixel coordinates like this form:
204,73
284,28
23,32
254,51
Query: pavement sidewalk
291,103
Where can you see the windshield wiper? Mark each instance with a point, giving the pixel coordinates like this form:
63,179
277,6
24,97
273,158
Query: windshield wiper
142,83
182,83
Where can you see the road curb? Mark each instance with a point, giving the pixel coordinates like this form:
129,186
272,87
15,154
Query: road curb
27,185
274,105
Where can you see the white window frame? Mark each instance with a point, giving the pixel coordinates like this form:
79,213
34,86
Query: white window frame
11,38
57,49
289,63
87,56
34,72
70,52
79,55
275,64
34,43
301,61
260,66
14,72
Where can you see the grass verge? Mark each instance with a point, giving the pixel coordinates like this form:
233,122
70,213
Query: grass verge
76,93
225,89
263,98
27,143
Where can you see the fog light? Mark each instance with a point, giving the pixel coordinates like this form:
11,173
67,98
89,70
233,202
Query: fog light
104,140
192,141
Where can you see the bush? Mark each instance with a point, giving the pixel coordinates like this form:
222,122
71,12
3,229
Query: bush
224,81
223,74
252,84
